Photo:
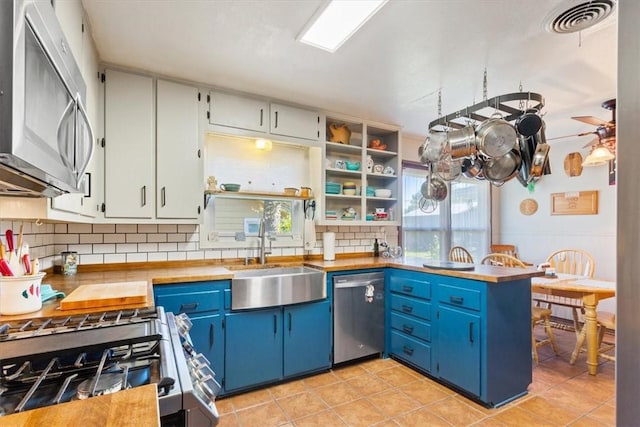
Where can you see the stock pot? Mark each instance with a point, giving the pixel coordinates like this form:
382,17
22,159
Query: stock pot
495,137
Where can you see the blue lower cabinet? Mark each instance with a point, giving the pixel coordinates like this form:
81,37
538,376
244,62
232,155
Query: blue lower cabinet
307,338
253,348
264,346
207,336
411,350
459,345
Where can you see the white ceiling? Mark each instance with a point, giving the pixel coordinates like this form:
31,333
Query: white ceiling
389,71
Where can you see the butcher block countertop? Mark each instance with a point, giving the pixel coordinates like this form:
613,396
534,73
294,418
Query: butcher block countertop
135,407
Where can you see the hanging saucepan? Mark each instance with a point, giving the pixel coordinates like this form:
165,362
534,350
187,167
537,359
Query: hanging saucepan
529,123
462,142
433,147
538,161
501,169
472,167
495,137
434,187
448,169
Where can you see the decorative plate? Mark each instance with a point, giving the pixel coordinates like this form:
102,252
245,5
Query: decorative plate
528,207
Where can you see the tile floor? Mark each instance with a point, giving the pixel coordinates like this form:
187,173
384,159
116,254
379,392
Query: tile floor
385,393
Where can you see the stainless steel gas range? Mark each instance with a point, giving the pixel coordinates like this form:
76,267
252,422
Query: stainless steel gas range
53,360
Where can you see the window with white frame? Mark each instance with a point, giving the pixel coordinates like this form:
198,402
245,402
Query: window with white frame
462,219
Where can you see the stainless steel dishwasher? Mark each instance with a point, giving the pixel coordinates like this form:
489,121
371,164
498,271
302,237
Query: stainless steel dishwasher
358,315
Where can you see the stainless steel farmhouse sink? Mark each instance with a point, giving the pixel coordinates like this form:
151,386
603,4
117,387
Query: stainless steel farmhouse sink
271,287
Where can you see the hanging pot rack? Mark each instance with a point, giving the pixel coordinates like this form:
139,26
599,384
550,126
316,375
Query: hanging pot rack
497,104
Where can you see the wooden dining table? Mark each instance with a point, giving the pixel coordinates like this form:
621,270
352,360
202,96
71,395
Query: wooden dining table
591,291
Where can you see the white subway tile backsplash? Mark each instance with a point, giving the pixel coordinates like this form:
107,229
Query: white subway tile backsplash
195,255
60,228
176,237
67,239
167,228
126,228
91,259
114,238
213,254
147,228
156,238
79,228
126,248
187,228
230,253
104,249
91,238
167,247
114,258
136,238
104,228
191,246
136,257
157,256
176,256
81,249
147,247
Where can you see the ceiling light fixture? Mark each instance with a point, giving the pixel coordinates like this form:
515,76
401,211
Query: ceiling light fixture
600,155
336,21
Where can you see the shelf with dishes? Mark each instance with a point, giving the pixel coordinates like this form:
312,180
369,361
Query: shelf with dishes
252,195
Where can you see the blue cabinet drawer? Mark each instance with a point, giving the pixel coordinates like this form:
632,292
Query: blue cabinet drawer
411,350
412,306
411,326
459,297
192,302
402,284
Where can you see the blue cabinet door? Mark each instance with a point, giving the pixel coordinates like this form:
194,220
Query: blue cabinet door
458,345
253,348
307,338
207,337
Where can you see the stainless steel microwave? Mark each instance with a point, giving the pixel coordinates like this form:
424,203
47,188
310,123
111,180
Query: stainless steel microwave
46,140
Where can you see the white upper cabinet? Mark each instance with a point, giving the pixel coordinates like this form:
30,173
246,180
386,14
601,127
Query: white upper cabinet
179,170
294,122
238,112
129,146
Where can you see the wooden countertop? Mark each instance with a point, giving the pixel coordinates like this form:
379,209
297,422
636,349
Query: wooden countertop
485,273
135,407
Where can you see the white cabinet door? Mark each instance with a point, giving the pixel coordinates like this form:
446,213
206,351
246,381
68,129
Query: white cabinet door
294,122
129,146
178,175
238,112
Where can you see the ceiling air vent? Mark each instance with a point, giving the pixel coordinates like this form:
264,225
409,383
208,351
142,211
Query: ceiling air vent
577,16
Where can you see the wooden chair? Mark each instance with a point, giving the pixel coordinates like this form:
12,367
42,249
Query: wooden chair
460,254
606,320
504,249
502,260
539,315
569,261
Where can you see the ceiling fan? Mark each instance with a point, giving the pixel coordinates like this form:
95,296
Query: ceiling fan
604,144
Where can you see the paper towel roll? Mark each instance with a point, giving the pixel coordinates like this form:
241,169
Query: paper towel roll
329,246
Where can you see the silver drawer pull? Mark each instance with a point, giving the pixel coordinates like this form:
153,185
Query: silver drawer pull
456,300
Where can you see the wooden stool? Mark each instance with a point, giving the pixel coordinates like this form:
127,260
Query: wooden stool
541,315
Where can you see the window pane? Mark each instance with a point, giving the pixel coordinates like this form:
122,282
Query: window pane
462,219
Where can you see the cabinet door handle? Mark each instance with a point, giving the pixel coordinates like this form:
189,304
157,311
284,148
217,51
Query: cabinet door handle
290,322
276,124
471,332
162,197
408,350
406,288
261,116
407,308
211,335
143,194
189,306
408,329
456,300
275,324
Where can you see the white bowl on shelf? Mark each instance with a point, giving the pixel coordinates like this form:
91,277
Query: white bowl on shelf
383,192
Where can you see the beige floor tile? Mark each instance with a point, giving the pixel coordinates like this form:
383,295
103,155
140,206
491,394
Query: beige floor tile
422,418
229,420
321,419
549,410
397,376
266,415
393,402
375,365
224,406
387,423
321,379
424,392
287,389
351,371
605,414
456,412
337,394
366,385
251,398
587,421
518,417
569,397
359,413
301,405
489,422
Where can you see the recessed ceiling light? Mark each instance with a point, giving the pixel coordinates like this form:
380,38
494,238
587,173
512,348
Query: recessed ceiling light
336,21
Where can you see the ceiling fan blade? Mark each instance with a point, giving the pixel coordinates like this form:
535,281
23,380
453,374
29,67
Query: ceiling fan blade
590,120
571,136
594,141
